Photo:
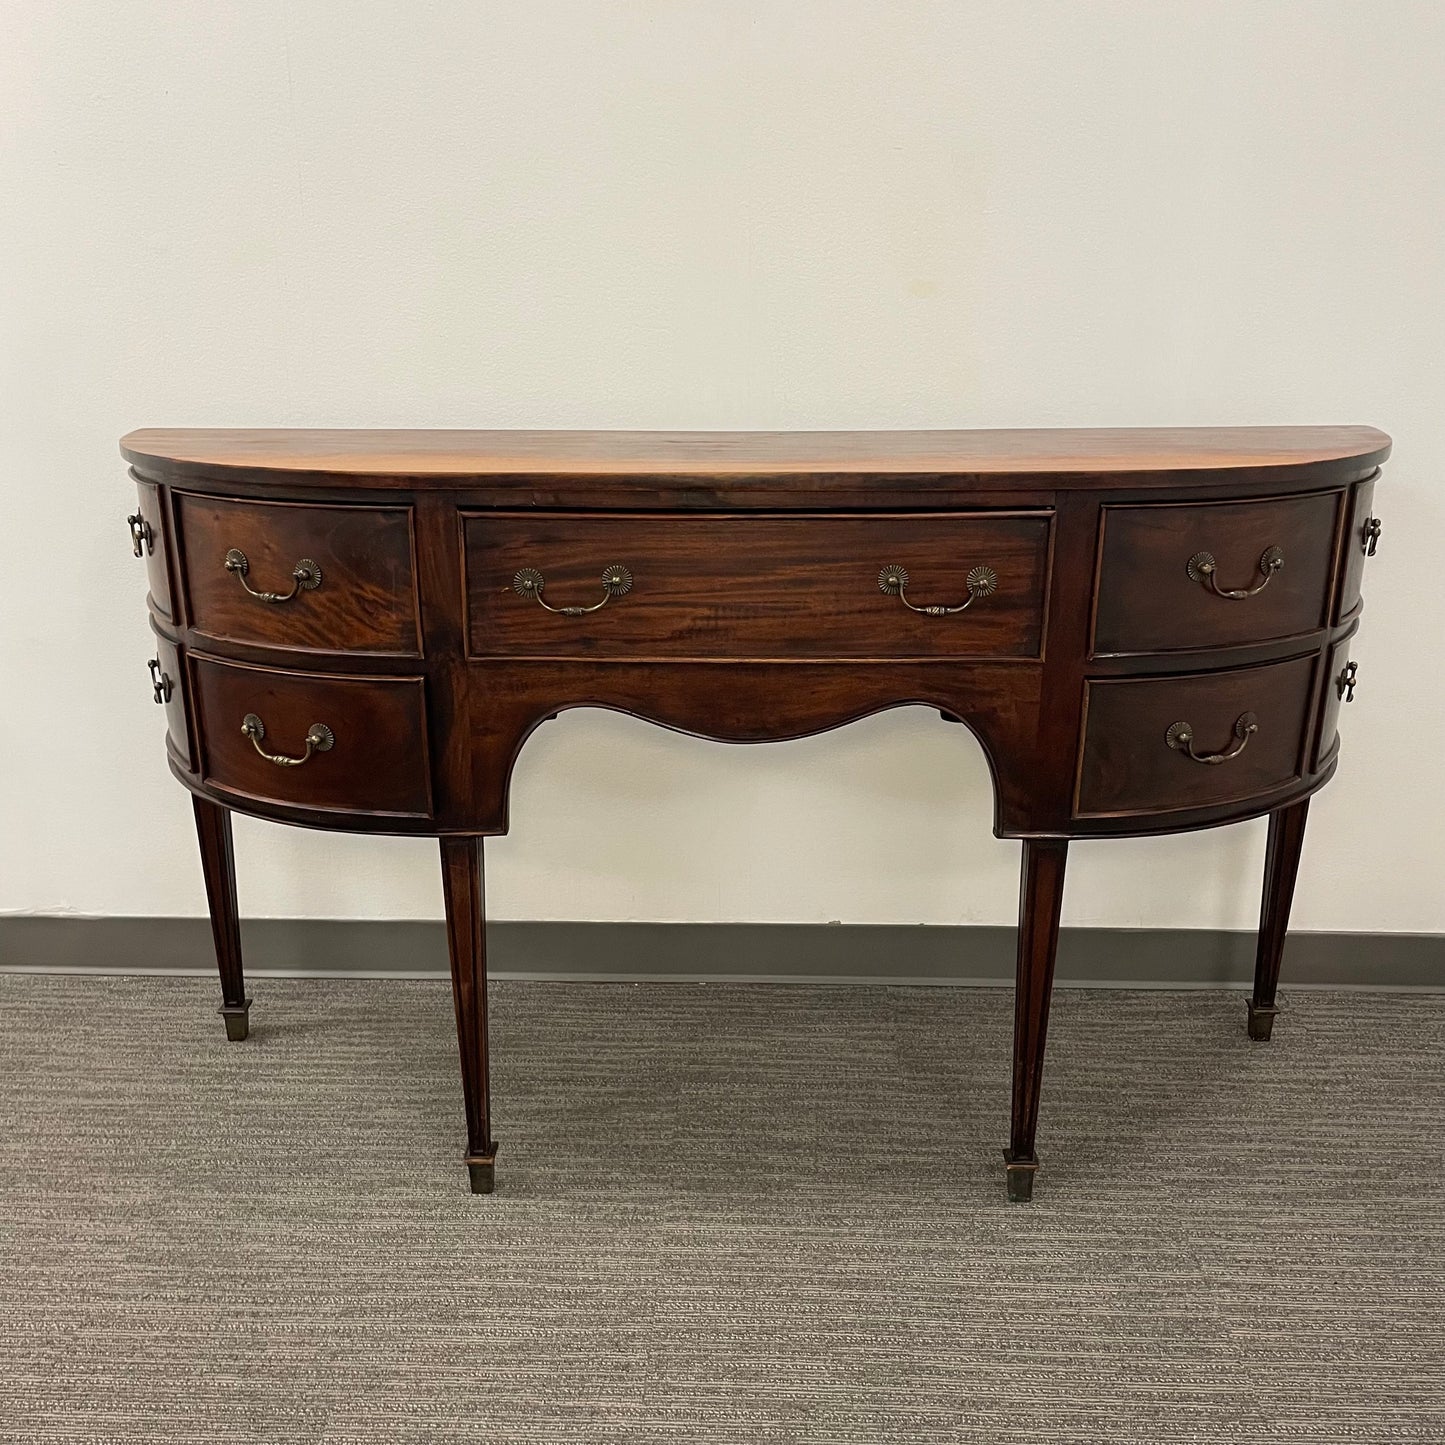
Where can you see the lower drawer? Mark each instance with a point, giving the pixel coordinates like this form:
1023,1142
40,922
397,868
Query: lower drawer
350,744
1163,744
168,687
1339,683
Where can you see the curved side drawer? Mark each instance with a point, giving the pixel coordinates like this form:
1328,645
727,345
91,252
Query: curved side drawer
1358,545
148,533
376,761
168,680
1151,600
356,593
1127,763
1337,684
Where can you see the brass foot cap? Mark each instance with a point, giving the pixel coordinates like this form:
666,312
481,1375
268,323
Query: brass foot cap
237,1017
481,1169
1261,1020
1020,1171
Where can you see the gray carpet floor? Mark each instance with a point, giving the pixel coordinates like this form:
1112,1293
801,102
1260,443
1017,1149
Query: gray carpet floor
724,1213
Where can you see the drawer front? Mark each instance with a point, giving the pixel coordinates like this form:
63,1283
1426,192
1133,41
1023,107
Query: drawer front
374,762
1157,593
354,592
168,683
757,587
1360,538
1338,686
148,532
1135,759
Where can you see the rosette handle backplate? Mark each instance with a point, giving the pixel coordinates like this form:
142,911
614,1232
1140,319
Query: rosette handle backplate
319,739
305,577
1202,567
529,582
981,582
1180,737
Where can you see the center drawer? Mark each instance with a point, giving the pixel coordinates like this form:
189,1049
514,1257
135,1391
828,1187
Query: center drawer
637,586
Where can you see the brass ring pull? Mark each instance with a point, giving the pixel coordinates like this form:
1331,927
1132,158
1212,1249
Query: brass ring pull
1201,568
1370,536
1180,737
161,685
616,582
981,582
1345,682
305,577
142,535
319,739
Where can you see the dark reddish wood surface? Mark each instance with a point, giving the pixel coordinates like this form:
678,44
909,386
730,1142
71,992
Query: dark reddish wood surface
173,684
1281,869
1147,602
747,587
463,891
156,549
367,598
1098,458
218,868
757,625
1041,897
1355,543
1332,694
746,704
378,763
1127,765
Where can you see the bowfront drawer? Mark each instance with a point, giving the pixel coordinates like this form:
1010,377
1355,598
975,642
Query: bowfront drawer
168,687
148,540
750,587
350,743
1159,744
1361,537
285,574
1339,688
1193,576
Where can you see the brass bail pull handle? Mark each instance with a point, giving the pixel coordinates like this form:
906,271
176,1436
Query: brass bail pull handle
616,582
1180,737
161,684
305,577
319,739
142,535
1203,568
981,582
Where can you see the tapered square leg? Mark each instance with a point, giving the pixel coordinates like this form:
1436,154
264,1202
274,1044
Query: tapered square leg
1281,869
462,887
1041,897
218,866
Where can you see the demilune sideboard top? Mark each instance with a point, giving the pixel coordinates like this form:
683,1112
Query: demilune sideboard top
1146,631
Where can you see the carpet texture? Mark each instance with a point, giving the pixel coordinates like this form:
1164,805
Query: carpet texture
724,1213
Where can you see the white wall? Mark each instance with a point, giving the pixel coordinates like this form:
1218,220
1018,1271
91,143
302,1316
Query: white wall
673,213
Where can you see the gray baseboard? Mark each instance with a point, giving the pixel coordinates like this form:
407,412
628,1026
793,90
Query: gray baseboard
716,952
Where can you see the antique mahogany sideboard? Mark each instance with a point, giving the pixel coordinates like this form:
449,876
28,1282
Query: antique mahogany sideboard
1146,631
